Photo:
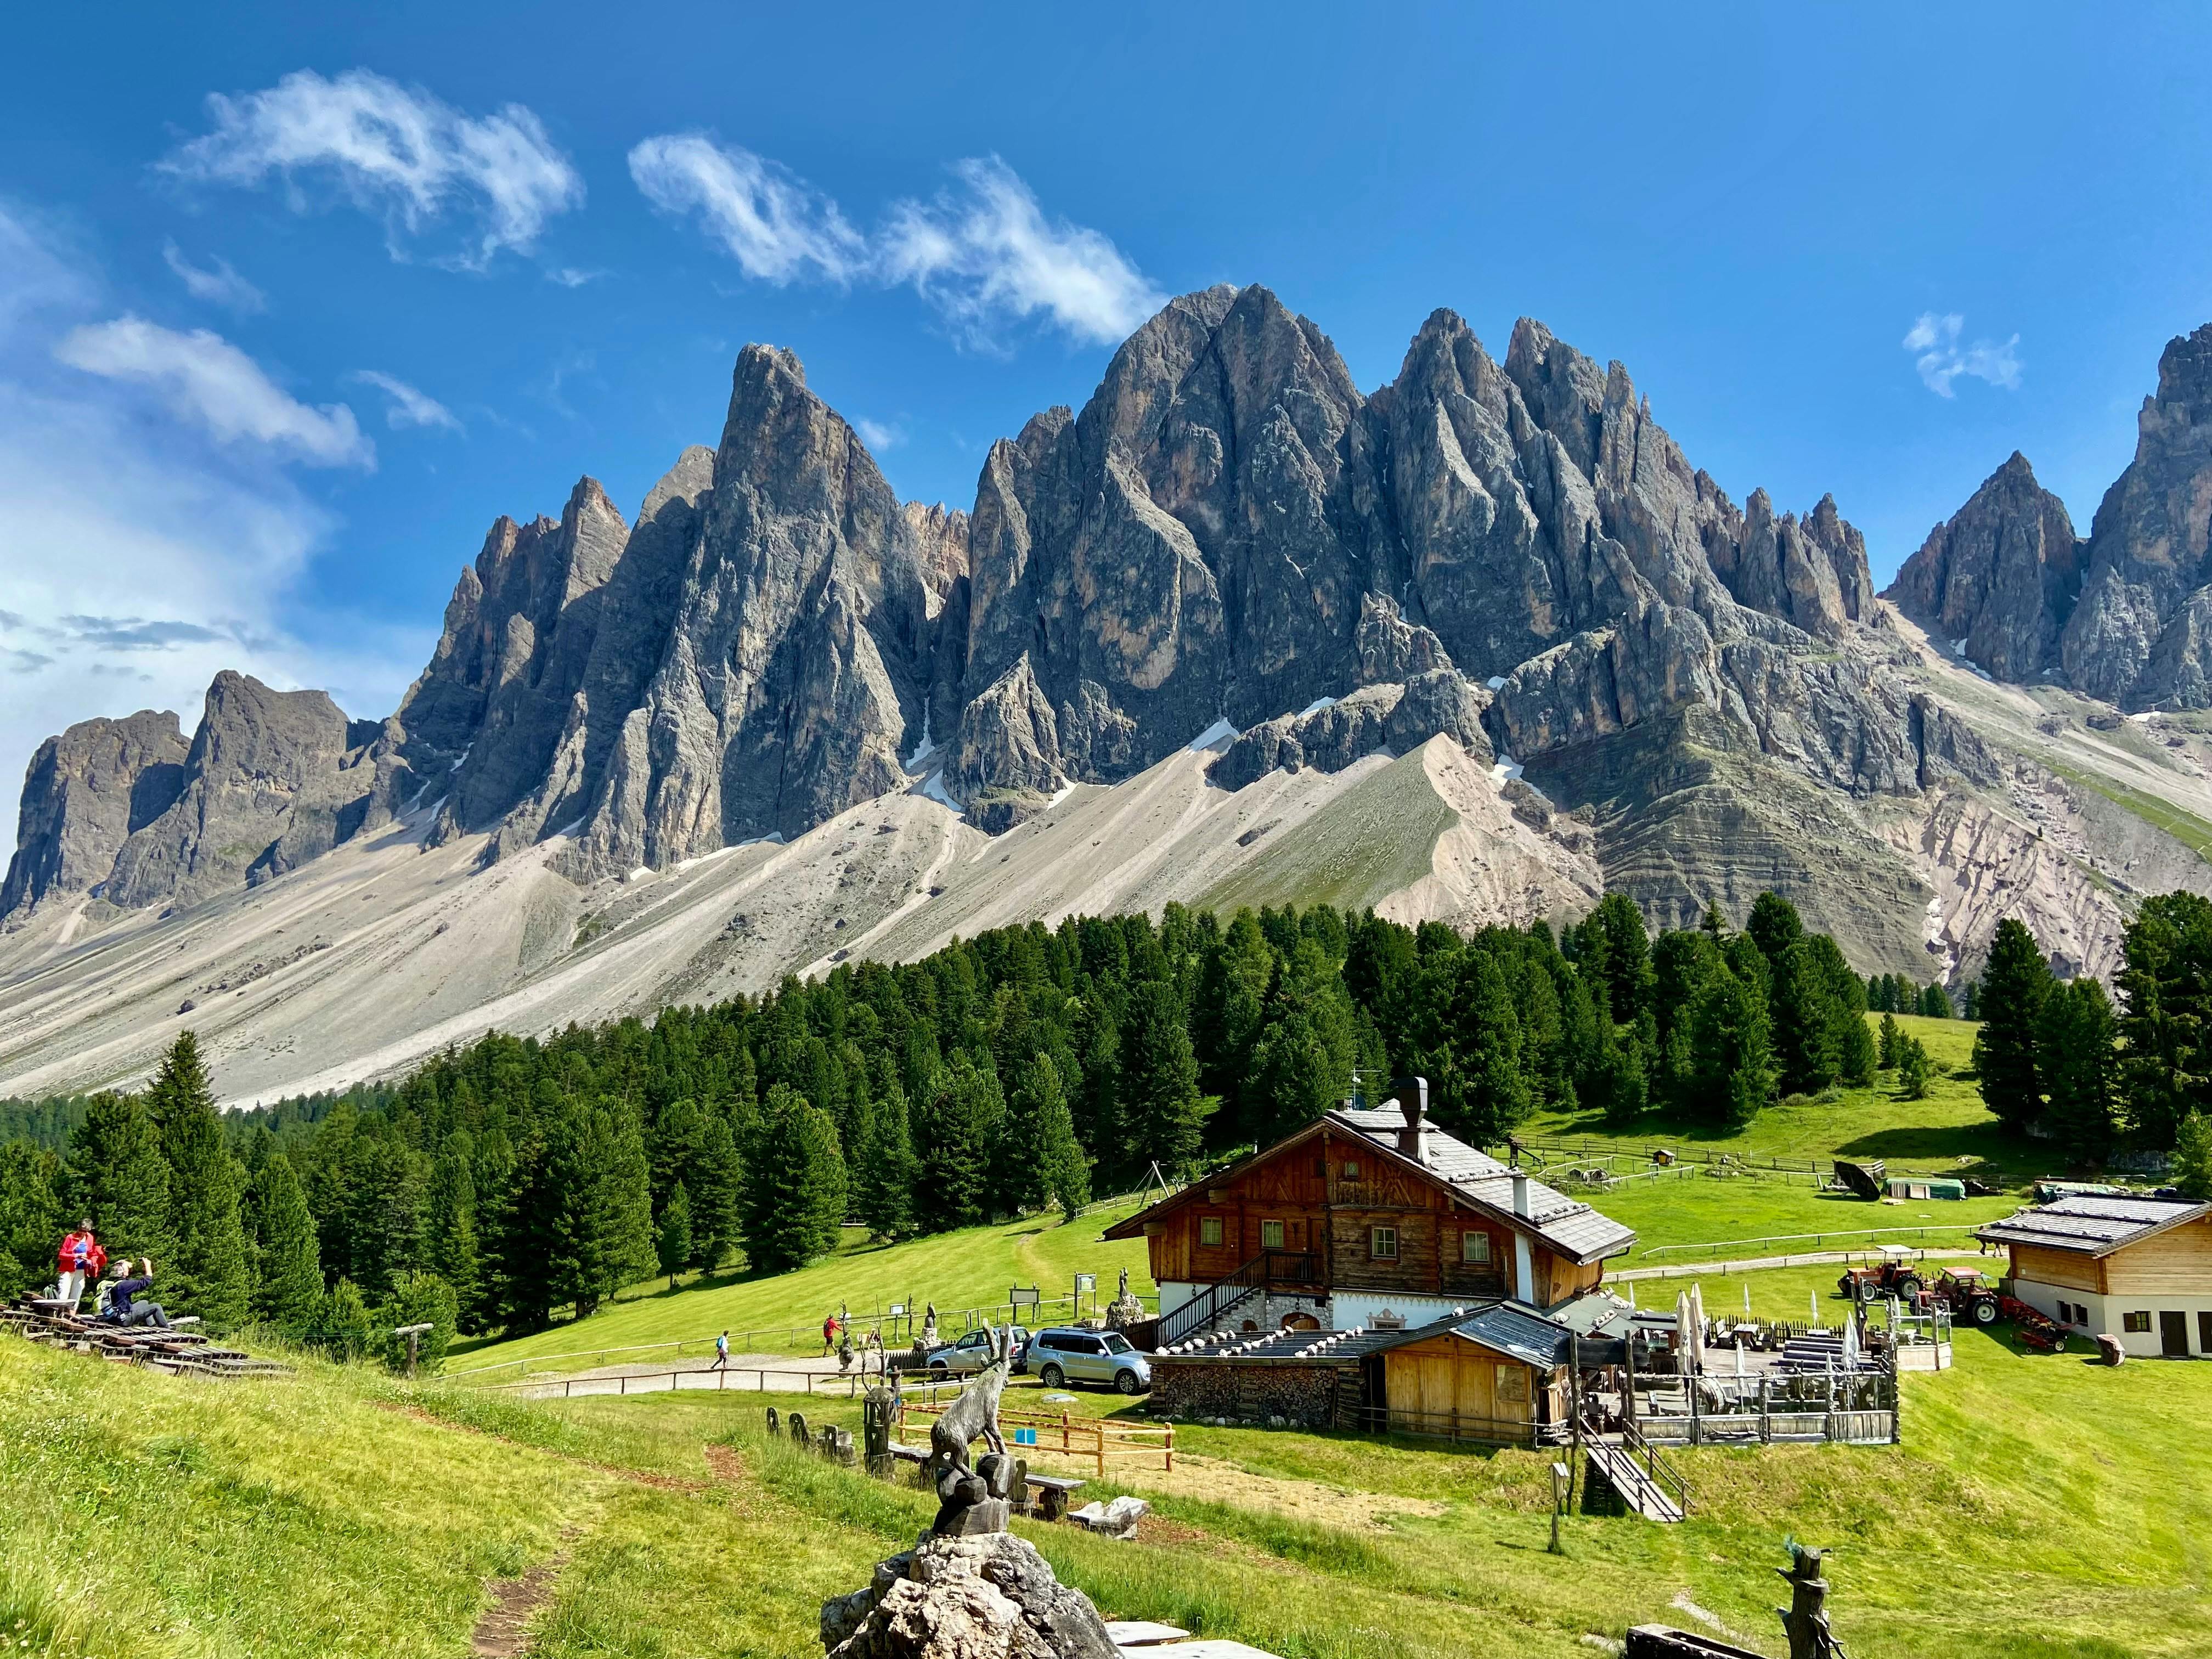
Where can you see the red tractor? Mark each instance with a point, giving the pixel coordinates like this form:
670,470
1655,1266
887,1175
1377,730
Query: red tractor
1969,1295
1898,1273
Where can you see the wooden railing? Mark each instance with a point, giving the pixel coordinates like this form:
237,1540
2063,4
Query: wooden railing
1270,1269
1095,1440
1662,1474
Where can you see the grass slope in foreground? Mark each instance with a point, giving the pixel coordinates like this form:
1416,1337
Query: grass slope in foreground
2040,1506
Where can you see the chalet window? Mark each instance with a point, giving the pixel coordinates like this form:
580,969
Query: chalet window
2138,1322
1271,1234
1382,1243
1475,1248
1351,1168
1209,1230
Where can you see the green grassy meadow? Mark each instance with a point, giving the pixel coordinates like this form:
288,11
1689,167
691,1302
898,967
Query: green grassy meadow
2039,1506
973,1268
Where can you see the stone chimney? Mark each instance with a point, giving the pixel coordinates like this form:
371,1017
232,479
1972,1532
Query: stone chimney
1413,1101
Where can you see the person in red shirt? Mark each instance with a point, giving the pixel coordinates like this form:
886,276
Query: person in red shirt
80,1258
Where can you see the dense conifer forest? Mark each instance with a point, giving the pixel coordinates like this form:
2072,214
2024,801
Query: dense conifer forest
507,1183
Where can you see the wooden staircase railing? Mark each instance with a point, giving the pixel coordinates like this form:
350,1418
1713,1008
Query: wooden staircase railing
1267,1271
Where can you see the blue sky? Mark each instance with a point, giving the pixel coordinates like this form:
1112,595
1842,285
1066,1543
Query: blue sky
291,306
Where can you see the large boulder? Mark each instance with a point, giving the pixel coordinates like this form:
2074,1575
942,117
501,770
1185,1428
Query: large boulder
989,1596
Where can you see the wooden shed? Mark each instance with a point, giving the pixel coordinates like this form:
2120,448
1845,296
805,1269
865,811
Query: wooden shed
1499,1373
2136,1267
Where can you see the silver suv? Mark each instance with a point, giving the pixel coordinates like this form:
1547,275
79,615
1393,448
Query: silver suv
973,1351
1060,1357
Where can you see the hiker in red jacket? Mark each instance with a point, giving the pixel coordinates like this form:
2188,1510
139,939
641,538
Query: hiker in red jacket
81,1258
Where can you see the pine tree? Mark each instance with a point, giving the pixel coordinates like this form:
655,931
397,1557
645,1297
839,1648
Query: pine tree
794,1185
2077,1058
1163,1115
1037,1117
1912,1071
348,1329
2192,1157
2165,1024
207,1272
1731,1059
1774,926
951,1149
1892,1040
2014,986
116,1175
30,1217
602,1221
717,1176
287,1290
1487,1077
1288,1078
449,1245
1934,1004
672,1243
1804,1020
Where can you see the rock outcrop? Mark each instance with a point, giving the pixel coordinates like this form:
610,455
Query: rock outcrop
2000,579
2135,637
88,791
272,780
990,1596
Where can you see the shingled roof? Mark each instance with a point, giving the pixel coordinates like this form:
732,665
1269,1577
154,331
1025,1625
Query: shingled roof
2092,1223
1567,1226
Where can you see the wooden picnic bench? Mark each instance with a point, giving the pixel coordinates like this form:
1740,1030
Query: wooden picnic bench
1053,1492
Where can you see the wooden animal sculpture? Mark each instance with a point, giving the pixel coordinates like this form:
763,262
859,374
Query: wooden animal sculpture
975,1414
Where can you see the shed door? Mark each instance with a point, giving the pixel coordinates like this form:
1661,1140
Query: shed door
2174,1336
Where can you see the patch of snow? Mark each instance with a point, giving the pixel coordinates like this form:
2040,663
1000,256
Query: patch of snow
1495,682
456,766
1316,706
1219,732
1506,770
2145,716
1061,794
1958,647
643,872
932,789
567,829
682,864
773,838
924,749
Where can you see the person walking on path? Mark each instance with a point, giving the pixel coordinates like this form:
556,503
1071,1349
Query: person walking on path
81,1258
829,1334
721,1351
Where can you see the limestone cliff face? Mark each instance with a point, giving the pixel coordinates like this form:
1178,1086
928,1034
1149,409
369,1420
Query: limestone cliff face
2139,636
88,791
272,780
482,721
2002,576
799,650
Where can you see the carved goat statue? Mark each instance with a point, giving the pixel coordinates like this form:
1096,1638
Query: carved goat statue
975,1414
973,1497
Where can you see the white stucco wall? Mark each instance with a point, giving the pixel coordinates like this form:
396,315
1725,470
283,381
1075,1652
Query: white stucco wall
2108,1315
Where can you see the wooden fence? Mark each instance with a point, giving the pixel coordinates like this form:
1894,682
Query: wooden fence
1096,1440
777,1380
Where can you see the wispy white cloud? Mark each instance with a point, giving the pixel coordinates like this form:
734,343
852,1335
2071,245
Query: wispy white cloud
207,541
983,251
206,379
1933,341
406,405
878,436
394,151
570,277
221,286
778,227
